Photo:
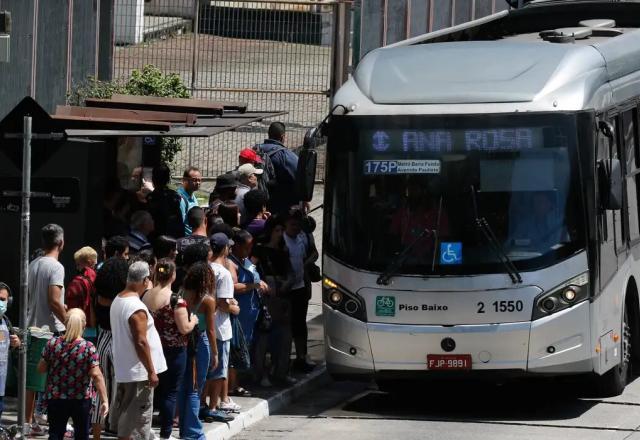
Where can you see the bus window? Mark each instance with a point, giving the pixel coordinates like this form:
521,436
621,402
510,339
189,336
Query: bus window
608,260
628,134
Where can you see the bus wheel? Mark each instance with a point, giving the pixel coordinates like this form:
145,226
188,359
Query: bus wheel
612,383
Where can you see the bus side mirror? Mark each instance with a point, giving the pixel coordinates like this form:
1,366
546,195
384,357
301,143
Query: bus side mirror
610,184
307,164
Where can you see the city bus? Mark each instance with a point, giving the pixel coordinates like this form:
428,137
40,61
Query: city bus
481,201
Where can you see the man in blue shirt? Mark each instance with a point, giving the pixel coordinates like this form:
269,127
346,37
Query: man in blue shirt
282,193
191,180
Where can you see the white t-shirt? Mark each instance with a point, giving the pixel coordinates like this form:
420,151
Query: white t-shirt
43,273
298,249
127,365
224,290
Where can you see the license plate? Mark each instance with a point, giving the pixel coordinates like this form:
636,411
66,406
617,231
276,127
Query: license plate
449,361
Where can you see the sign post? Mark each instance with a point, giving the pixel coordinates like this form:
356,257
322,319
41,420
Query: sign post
24,268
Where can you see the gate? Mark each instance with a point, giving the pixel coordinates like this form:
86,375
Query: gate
275,55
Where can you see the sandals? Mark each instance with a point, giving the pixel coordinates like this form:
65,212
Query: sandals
240,392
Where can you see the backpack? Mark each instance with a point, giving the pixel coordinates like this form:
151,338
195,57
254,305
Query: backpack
268,178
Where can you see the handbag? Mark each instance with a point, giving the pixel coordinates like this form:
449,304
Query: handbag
313,272
238,350
264,321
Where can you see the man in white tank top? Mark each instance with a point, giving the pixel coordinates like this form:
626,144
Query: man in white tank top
137,357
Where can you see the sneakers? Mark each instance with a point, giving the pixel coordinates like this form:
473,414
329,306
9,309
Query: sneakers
284,382
34,430
69,432
40,419
229,406
209,415
303,366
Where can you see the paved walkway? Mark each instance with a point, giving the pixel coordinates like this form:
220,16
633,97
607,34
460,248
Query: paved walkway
266,400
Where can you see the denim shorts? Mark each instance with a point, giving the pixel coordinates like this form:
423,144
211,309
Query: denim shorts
223,361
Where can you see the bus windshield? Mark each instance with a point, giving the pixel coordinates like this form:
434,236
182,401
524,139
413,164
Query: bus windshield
426,182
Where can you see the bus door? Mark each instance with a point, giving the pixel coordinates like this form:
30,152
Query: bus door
612,246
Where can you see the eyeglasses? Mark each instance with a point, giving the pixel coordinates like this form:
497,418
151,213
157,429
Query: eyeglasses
195,179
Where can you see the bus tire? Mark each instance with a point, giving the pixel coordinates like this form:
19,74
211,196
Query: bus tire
613,382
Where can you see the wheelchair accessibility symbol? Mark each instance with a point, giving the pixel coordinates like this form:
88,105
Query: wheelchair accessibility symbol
450,253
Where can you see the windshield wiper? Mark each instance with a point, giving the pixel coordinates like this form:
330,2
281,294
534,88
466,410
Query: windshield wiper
397,262
494,243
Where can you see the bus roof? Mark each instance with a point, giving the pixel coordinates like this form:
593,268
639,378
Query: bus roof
513,65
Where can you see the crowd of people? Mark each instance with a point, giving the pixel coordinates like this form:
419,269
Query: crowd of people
180,311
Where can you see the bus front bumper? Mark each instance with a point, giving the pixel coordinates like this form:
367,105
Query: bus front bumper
557,344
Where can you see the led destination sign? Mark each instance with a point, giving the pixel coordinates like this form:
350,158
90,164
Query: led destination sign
444,141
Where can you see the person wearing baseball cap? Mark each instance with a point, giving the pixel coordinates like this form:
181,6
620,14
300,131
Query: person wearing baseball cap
247,180
224,191
249,155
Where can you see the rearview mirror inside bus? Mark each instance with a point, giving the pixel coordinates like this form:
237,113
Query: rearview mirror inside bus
610,178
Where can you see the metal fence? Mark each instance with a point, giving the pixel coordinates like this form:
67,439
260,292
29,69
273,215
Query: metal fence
54,44
382,22
274,55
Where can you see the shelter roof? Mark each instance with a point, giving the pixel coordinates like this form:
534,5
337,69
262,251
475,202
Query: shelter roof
134,116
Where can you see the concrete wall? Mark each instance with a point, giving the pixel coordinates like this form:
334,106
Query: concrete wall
382,22
65,50
129,21
171,8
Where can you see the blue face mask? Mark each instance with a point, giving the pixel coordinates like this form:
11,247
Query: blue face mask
3,307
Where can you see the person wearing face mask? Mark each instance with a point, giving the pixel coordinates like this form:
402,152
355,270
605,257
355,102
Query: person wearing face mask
7,340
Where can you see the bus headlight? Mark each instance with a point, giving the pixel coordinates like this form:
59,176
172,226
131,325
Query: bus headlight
335,297
562,297
340,299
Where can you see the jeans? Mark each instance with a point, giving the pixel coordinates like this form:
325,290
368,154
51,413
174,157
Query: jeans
189,396
170,382
59,411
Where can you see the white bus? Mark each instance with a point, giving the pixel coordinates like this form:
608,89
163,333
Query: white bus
481,201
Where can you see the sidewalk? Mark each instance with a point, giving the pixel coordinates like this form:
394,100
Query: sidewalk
266,400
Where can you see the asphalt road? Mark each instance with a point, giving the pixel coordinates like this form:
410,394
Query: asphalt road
541,409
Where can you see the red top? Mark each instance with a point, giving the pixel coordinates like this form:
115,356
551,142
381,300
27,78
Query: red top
80,291
167,328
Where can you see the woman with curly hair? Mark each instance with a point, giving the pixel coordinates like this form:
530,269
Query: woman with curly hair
199,293
110,280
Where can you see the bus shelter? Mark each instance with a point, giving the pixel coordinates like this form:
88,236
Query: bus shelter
80,153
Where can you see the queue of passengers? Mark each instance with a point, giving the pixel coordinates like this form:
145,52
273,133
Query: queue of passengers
179,309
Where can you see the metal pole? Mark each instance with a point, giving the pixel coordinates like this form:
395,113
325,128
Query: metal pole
195,53
24,266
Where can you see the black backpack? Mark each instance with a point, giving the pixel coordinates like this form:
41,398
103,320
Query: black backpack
268,178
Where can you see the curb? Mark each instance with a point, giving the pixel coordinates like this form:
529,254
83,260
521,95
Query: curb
264,407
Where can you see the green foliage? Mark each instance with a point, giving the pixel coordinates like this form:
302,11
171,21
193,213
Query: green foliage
150,81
